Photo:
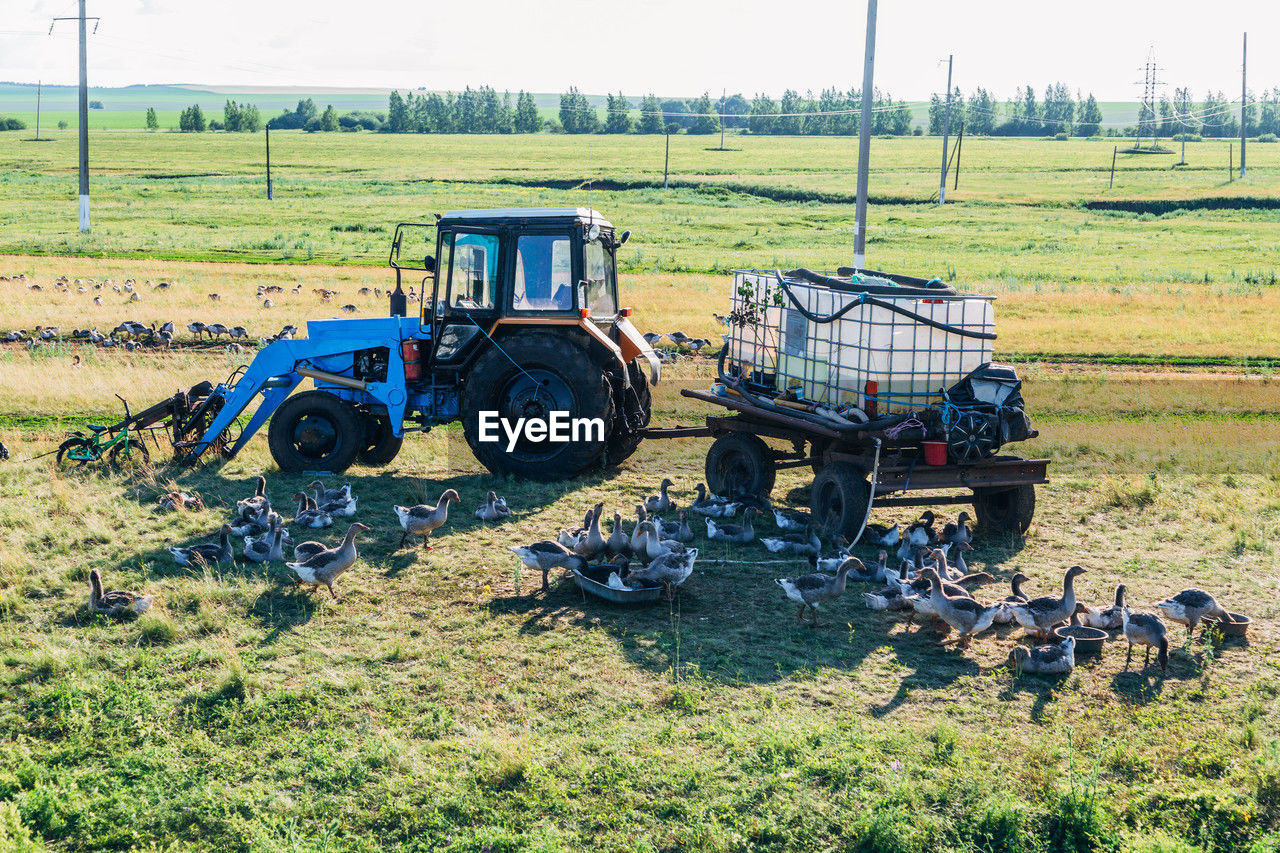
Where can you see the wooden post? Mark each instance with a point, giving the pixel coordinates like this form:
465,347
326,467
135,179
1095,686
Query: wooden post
1231,166
666,162
1112,182
269,162
39,88
959,148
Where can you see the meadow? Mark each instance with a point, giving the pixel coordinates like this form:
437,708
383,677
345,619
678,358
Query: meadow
443,702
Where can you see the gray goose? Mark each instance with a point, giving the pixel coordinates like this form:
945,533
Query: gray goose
1040,615
547,555
661,502
741,533
116,602
961,612
618,542
422,519
493,508
815,589
1049,659
1005,616
1190,606
326,566
1145,629
207,554
670,570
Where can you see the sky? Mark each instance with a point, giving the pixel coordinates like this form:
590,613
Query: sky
669,47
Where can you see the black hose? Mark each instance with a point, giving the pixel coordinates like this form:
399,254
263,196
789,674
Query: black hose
871,300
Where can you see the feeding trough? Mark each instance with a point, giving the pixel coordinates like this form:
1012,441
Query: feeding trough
1237,627
1088,640
595,580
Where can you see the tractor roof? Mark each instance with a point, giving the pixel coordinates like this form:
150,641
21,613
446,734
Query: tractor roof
551,215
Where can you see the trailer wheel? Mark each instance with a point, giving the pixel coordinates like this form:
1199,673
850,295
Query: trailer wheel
839,499
315,431
633,410
739,463
380,444
1005,510
530,375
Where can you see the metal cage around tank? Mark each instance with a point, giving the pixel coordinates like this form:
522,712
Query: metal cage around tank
879,343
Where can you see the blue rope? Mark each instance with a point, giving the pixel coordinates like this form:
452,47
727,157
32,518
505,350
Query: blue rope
537,386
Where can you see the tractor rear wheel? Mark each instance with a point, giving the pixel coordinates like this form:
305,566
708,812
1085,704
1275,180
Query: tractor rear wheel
315,431
633,409
740,464
532,375
381,445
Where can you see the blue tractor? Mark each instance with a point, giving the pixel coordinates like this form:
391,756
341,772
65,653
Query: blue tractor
517,323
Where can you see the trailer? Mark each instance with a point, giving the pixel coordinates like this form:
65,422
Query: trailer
882,384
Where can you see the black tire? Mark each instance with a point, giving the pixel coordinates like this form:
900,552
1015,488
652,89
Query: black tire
131,451
381,446
315,431
740,464
838,500
551,372
70,443
625,437
1005,511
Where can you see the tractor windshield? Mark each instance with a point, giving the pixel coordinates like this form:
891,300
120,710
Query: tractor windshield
600,288
543,273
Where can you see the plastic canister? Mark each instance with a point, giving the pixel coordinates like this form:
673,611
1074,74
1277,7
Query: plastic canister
411,351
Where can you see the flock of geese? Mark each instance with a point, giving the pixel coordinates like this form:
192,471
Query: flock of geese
927,576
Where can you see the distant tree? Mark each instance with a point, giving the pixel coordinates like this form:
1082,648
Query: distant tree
1030,112
12,123
307,110
980,113
1269,112
675,111
936,114
397,113
1250,114
153,122
1059,110
731,108
790,121
329,119
1217,119
707,121
95,105
651,120
1184,111
527,119
231,115
1168,126
576,113
62,124
192,120
506,120
250,118
1090,122
761,120
618,114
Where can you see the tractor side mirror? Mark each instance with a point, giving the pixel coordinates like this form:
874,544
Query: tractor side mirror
429,264
623,238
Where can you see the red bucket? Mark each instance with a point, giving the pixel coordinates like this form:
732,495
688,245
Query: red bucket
935,453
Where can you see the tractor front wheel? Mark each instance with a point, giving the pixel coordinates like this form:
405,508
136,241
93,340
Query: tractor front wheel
315,431
537,376
381,445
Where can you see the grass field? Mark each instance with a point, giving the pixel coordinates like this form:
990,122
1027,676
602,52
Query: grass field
445,703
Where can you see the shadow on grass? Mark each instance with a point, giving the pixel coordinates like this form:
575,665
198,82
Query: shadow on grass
281,610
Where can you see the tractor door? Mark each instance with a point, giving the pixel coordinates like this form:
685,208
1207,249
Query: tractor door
467,293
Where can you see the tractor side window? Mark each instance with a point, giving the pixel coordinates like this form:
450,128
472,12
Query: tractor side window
475,271
544,274
601,288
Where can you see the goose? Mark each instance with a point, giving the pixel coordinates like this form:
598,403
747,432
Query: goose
937,560
1049,659
794,543
957,531
592,542
858,570
794,522
957,562
304,551
921,532
891,597
1005,616
261,551
1145,629
1105,618
420,520
678,530
832,561
741,533
637,535
326,566
341,506
670,569
660,502
250,507
308,515
616,581
652,338
918,592
655,546
1190,606
679,338
961,612
216,330
1041,614
493,508
618,542
569,537
116,602
713,506
878,534
815,589
547,555
209,554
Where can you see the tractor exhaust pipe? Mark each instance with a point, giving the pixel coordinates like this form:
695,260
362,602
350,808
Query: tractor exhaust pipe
333,378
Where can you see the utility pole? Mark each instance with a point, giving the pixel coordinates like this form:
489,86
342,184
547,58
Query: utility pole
84,110
666,161
864,141
1148,106
959,148
39,88
724,95
1114,151
1244,99
268,161
946,133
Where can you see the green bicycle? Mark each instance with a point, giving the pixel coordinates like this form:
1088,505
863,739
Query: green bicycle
113,442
